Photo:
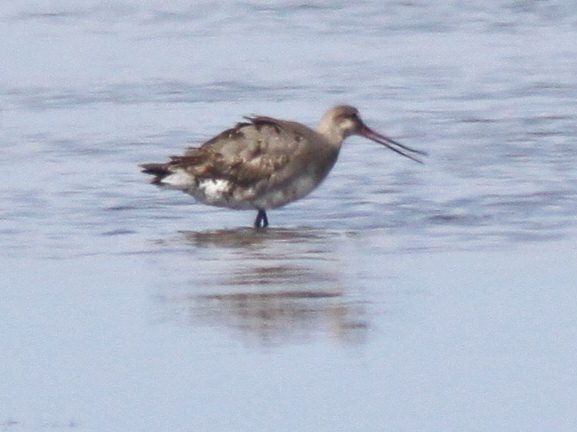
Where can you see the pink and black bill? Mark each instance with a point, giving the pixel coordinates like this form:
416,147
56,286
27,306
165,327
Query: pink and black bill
391,144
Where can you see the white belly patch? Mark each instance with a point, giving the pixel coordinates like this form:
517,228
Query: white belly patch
214,189
210,191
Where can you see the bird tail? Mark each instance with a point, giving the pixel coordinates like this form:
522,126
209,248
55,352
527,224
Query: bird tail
158,170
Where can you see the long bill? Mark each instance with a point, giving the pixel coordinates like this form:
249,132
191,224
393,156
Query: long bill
393,145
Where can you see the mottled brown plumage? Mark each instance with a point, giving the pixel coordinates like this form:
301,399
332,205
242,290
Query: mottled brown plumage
264,163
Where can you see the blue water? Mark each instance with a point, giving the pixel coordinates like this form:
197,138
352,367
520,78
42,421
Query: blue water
396,297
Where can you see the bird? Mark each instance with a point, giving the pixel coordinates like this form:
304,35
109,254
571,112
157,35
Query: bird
264,163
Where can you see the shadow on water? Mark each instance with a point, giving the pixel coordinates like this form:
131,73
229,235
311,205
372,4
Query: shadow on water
251,238
271,287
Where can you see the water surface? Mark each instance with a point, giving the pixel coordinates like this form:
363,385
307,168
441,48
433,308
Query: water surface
396,297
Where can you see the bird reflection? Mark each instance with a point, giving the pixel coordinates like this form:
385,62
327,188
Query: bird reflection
249,237
276,286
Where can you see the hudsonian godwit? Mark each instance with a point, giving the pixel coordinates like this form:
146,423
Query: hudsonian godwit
266,163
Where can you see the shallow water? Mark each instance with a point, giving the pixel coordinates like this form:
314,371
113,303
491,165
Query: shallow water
396,297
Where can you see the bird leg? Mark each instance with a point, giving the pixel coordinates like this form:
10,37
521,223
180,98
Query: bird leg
261,220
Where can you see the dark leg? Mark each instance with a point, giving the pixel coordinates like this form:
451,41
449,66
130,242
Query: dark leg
261,220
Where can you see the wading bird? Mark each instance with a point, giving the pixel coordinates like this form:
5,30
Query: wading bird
266,163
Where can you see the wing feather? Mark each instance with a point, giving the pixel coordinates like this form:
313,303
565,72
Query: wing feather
245,154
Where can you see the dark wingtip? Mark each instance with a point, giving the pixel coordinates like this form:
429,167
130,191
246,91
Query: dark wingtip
159,171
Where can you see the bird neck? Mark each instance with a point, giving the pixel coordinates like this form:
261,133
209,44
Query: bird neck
332,135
